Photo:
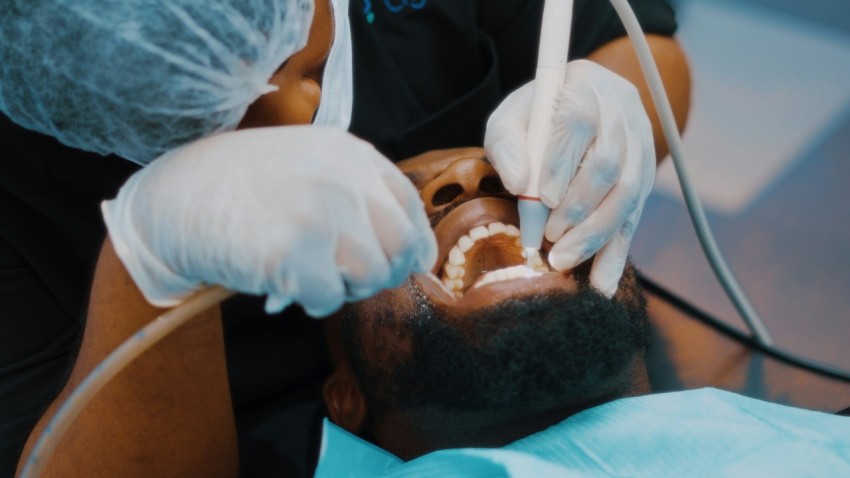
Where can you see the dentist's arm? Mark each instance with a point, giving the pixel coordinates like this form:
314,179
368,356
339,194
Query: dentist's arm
603,117
619,57
168,414
301,214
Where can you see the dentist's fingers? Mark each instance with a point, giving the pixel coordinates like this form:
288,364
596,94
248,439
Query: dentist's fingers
626,198
610,261
363,266
398,240
584,240
321,290
312,276
423,247
598,174
276,302
505,139
575,126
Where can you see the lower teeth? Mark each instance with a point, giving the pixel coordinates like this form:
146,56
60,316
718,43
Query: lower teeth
516,272
538,267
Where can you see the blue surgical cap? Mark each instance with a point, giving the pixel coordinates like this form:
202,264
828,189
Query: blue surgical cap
139,77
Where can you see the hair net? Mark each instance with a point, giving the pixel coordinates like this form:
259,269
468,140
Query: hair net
139,77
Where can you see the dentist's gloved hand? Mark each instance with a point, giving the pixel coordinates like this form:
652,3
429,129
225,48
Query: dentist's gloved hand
304,214
597,172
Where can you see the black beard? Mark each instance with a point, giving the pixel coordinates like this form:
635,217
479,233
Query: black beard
524,355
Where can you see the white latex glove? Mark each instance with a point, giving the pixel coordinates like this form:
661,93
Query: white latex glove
305,214
597,172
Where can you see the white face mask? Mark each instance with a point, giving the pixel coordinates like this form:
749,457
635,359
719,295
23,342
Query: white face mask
338,79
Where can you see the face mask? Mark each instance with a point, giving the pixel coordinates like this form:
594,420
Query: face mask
338,79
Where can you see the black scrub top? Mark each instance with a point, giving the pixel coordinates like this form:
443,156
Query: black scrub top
427,74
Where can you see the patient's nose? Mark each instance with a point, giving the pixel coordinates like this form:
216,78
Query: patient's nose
462,180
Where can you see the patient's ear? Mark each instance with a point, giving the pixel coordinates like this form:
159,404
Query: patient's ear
345,402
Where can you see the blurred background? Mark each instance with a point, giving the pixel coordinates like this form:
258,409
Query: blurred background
768,144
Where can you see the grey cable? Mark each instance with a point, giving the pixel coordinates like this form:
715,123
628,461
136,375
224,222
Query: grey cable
674,142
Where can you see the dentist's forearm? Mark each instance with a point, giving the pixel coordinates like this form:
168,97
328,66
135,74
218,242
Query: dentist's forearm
619,57
167,414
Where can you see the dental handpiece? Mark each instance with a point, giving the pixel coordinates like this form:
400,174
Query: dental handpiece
551,68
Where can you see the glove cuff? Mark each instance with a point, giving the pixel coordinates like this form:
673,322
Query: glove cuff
159,285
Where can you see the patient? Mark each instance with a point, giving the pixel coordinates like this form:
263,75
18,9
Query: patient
486,355
483,368
487,369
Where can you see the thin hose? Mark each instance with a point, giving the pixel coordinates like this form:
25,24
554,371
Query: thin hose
761,338
674,142
110,366
734,333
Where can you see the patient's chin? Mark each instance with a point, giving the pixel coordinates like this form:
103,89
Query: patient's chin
534,351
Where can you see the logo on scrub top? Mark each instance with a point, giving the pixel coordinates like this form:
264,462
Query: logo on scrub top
394,6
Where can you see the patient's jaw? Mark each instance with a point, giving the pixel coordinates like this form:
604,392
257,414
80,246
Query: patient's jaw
445,362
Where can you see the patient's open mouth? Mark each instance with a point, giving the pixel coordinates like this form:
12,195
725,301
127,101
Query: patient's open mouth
480,245
488,254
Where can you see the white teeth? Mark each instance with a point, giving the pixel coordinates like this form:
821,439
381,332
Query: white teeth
465,243
456,257
454,272
456,285
442,285
478,233
497,228
516,272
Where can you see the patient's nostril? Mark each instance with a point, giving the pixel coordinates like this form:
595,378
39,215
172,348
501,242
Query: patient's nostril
446,194
491,185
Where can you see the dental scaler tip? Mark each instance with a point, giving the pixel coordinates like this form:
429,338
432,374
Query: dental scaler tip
533,215
530,253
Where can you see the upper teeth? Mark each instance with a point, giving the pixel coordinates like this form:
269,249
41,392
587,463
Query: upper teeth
466,241
479,233
454,270
456,257
499,228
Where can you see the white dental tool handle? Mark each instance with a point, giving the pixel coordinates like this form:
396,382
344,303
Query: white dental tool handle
551,66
